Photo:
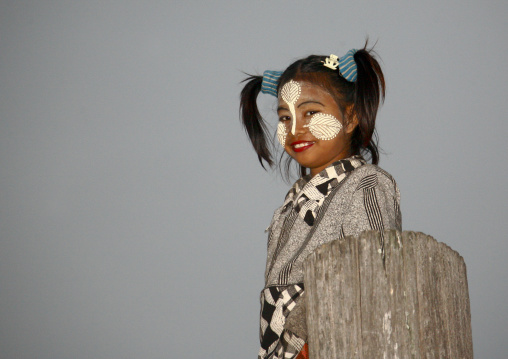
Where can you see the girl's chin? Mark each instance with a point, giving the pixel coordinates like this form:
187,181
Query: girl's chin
303,161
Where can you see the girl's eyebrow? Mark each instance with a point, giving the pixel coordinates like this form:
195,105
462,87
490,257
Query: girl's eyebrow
310,101
282,108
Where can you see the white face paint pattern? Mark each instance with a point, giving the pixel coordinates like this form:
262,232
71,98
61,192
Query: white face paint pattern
281,133
290,93
324,126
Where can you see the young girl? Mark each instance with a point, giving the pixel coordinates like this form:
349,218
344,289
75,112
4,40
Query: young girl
327,112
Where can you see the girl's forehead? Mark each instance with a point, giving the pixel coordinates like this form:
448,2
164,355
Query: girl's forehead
310,90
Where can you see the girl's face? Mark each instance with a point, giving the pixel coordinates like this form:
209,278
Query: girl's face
311,126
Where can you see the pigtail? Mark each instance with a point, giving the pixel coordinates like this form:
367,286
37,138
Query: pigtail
252,121
369,92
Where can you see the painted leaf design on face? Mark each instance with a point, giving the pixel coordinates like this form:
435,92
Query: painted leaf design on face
281,133
324,126
290,93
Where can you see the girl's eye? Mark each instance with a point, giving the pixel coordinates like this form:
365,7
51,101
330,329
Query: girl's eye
284,118
310,113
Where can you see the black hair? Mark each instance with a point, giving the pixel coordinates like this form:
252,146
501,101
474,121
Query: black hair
356,100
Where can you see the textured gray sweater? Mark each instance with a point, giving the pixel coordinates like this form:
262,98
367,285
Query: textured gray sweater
363,198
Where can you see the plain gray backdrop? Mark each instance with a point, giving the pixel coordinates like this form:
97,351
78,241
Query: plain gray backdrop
132,207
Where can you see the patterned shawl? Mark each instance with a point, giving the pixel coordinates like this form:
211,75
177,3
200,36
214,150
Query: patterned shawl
308,193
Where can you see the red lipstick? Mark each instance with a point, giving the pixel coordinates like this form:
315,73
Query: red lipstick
300,146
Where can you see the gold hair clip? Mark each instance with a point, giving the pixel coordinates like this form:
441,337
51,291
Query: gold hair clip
331,62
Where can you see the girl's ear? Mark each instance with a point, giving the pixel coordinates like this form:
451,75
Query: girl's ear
351,120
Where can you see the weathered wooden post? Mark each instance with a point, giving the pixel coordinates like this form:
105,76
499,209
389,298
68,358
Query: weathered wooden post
406,300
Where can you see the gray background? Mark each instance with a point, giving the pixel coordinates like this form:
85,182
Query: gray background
132,207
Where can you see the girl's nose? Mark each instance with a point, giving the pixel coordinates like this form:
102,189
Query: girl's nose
299,126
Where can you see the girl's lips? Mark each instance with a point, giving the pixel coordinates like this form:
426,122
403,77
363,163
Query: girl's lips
300,146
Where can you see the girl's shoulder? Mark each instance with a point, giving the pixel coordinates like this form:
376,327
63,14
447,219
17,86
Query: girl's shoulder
370,176
362,183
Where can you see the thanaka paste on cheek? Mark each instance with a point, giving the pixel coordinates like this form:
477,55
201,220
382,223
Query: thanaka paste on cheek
281,133
290,93
324,126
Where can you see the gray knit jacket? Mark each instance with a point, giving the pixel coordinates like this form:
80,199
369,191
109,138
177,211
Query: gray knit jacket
366,198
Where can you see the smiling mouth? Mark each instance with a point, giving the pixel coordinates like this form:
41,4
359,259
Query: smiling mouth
301,146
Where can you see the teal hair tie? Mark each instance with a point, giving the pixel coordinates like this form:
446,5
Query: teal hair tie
270,82
347,66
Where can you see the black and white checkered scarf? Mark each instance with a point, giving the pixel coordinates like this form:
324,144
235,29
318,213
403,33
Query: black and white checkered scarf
308,193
